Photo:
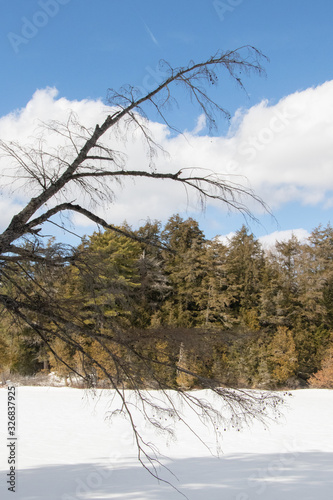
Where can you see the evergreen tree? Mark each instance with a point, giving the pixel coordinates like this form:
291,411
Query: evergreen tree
243,270
154,286
280,300
185,272
282,357
212,296
313,327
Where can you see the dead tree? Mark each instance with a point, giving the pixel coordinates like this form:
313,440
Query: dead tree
86,164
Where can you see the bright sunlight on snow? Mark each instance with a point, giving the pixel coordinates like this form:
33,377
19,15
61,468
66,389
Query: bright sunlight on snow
68,449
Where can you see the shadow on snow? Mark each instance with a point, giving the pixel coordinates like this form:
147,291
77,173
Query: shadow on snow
306,475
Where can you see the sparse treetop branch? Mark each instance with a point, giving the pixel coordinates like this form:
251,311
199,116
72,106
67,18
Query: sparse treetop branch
35,164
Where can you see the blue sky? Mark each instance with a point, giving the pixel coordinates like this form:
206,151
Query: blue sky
82,48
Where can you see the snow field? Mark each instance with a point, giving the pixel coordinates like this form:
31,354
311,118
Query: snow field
68,449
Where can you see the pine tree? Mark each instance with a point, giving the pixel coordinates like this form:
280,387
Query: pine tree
314,318
243,270
154,285
183,266
211,296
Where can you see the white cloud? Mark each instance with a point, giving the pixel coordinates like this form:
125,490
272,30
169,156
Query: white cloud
200,126
285,151
269,240
8,208
21,124
226,238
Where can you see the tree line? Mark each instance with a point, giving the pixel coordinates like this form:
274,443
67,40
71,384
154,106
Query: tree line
194,309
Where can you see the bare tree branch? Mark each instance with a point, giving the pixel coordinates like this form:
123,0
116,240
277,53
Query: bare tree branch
85,165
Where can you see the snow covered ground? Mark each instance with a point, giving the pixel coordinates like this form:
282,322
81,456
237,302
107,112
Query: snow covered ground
68,450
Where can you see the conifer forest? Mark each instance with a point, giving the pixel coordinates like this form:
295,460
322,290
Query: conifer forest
169,298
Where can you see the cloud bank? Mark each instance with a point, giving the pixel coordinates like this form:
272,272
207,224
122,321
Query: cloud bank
283,151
